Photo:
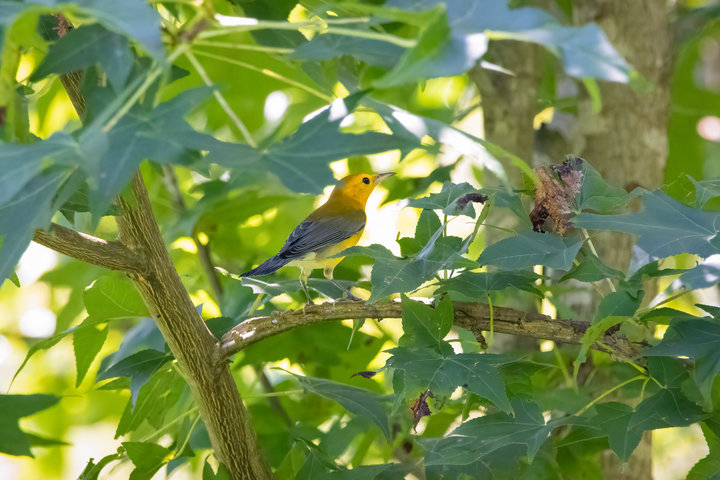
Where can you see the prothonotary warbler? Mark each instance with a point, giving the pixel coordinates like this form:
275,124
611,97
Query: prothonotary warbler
334,226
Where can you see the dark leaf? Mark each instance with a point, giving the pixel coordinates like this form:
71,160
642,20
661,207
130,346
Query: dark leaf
424,326
85,46
355,400
665,227
290,159
420,408
478,285
528,249
698,339
14,441
139,367
424,369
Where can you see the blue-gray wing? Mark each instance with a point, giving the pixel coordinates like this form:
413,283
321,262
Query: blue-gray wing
313,235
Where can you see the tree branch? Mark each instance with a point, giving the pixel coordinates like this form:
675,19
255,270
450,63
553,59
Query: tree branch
471,316
111,255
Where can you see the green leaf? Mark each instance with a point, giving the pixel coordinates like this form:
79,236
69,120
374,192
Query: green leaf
665,227
424,369
87,342
528,249
584,51
438,53
355,400
289,159
698,339
478,285
597,195
92,470
139,367
624,425
134,18
592,269
29,209
160,134
483,436
279,287
424,326
428,224
391,274
596,330
154,400
209,474
20,163
619,303
147,457
709,466
327,46
113,296
85,46
705,274
705,190
447,200
14,441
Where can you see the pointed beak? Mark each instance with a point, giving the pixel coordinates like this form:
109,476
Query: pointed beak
382,176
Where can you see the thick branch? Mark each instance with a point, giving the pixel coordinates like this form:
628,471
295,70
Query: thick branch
471,316
213,387
111,255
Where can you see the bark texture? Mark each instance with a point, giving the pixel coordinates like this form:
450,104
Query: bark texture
627,140
475,317
228,423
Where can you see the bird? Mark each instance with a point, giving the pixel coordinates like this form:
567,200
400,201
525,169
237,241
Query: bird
333,227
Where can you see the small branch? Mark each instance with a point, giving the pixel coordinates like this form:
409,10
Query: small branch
475,317
111,255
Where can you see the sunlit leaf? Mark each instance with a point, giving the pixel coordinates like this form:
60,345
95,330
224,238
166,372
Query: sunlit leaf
87,342
113,296
147,457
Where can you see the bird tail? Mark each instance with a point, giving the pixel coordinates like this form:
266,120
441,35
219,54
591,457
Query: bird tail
268,266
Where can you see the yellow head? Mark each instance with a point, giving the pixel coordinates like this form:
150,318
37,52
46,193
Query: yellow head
356,189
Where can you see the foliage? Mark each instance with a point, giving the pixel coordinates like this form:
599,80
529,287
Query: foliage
234,111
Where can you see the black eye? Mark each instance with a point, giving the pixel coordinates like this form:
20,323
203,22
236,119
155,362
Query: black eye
366,180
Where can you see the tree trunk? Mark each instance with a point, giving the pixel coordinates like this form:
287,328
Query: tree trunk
627,140
228,423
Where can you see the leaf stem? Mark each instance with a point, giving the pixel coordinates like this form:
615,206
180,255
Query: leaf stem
608,392
221,100
563,368
268,73
492,321
242,46
323,26
140,91
592,249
